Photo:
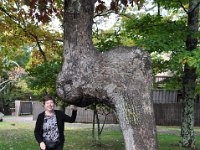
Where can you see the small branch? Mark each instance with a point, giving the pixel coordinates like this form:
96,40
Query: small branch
19,25
149,9
104,123
3,10
194,8
126,15
3,87
40,49
181,4
4,82
158,3
93,125
9,15
103,13
98,126
57,40
15,63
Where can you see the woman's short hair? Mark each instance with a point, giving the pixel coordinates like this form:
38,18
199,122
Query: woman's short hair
48,97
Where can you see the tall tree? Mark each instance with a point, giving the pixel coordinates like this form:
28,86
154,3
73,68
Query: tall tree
178,37
189,78
120,77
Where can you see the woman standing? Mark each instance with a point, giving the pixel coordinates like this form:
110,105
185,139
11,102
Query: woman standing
49,128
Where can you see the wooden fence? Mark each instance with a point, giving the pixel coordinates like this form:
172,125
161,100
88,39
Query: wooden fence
37,108
83,115
22,108
170,114
86,116
167,108
165,96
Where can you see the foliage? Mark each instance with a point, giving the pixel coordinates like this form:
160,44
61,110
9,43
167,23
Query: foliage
172,5
43,77
10,74
105,40
28,42
16,92
162,36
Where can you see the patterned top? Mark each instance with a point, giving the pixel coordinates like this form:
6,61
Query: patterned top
50,128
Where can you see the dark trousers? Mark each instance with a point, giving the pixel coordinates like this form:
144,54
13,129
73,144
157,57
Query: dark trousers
58,147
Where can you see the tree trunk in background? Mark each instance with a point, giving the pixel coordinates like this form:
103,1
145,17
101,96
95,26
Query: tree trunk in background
189,79
187,126
121,77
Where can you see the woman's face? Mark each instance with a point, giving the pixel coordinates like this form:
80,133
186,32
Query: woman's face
49,105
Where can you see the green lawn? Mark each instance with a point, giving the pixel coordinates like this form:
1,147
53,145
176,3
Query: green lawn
19,136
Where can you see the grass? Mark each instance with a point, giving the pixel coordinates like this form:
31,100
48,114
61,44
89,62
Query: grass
19,136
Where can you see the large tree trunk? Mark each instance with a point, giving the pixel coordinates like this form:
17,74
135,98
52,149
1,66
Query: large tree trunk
121,77
189,79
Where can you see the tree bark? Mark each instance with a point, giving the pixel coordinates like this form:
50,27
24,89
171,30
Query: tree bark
189,79
121,77
187,126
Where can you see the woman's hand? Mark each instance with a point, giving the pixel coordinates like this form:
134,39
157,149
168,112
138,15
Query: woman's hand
42,146
73,107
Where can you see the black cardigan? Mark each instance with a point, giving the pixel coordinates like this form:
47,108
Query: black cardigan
61,119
